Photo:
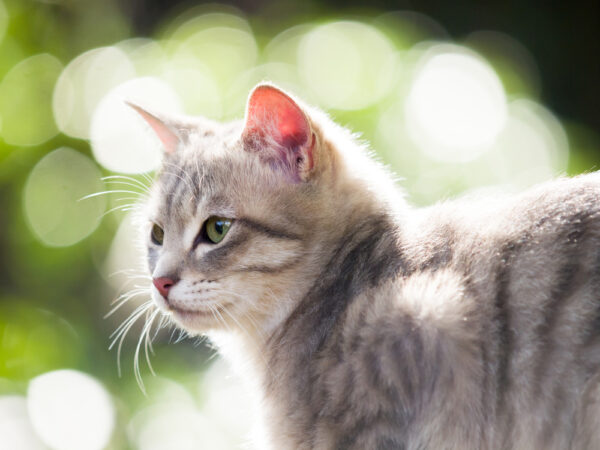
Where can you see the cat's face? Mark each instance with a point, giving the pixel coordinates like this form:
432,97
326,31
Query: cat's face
231,219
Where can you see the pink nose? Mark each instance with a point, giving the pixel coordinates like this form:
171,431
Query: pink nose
163,285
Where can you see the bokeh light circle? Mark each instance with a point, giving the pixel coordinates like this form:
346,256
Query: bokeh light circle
26,100
195,85
70,410
173,421
456,106
53,196
532,147
348,65
125,263
83,83
15,427
225,52
121,140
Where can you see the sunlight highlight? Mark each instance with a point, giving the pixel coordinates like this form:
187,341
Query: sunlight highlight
70,410
16,430
121,140
225,52
456,106
53,197
26,101
83,83
532,148
348,65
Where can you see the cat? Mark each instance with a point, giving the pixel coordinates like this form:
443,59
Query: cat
365,323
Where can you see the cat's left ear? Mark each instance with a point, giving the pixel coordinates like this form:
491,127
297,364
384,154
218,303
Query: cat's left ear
167,133
279,131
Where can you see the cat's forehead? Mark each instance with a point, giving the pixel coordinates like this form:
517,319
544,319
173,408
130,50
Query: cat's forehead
206,179
189,183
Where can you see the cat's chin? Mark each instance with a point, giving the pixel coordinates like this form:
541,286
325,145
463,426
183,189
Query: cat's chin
194,321
197,320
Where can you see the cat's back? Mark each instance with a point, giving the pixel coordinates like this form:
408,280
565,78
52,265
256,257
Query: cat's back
489,335
480,331
511,287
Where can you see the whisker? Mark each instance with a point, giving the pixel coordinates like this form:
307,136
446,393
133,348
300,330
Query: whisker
131,273
124,329
115,191
136,312
136,357
124,298
127,181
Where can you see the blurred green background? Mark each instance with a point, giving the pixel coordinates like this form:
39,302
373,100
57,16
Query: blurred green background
454,97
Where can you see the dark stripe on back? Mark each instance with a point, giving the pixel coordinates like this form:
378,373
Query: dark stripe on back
349,439
567,281
502,318
591,334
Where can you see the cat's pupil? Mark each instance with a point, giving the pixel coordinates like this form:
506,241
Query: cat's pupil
219,226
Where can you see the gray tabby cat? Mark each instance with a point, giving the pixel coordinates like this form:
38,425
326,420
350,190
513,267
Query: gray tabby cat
366,324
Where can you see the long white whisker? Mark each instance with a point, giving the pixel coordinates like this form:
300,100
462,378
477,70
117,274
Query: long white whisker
131,273
115,191
130,179
126,182
125,329
136,312
136,357
122,299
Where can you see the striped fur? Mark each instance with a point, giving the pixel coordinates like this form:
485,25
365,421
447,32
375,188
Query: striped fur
364,323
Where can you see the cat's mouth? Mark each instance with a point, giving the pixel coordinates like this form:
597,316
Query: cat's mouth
211,312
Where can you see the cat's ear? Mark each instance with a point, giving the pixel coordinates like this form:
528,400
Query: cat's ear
277,128
167,133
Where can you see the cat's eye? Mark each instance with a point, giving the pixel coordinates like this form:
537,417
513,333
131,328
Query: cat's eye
215,228
157,234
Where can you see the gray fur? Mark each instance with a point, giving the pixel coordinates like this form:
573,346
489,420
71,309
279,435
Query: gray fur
367,324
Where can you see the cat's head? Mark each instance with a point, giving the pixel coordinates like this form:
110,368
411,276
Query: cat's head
237,212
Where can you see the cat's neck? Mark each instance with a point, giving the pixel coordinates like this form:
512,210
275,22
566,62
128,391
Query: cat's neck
362,201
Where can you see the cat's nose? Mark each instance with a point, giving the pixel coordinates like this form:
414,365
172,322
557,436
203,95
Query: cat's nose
163,284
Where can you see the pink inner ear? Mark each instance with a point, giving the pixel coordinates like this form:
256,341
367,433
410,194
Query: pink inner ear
167,136
272,113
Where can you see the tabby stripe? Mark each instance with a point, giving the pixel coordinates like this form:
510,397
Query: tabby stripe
196,187
592,331
176,179
183,185
502,320
367,254
215,258
368,424
564,288
270,269
566,285
266,229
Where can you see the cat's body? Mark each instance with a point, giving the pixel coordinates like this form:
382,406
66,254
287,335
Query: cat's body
367,324
480,329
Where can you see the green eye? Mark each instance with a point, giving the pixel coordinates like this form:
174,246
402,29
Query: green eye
157,234
216,228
